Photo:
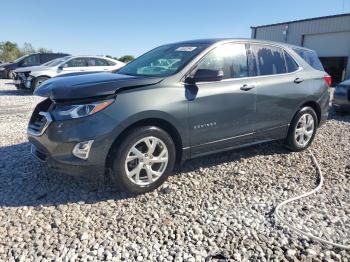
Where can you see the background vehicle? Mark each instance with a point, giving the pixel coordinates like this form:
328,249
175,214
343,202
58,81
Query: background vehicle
341,97
176,102
32,77
7,69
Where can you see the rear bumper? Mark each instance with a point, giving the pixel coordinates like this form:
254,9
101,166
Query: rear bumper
324,118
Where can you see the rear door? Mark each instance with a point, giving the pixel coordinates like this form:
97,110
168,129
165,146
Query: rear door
280,89
98,64
222,113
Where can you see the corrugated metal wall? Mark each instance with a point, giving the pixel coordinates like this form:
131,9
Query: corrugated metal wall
297,32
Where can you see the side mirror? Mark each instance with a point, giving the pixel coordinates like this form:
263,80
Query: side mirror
205,75
60,68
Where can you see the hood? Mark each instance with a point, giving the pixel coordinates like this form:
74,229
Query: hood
5,64
90,85
31,68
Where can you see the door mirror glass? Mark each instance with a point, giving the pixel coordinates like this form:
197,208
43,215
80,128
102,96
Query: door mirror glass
205,75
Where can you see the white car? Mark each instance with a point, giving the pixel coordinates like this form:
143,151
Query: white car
32,77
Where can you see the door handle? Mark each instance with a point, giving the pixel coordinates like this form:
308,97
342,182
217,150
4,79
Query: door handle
298,80
247,87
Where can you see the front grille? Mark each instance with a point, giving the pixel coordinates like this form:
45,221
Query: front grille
41,118
41,121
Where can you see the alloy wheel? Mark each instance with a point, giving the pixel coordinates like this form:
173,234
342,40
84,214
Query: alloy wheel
304,130
146,161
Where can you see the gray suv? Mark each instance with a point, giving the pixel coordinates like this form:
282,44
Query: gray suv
177,102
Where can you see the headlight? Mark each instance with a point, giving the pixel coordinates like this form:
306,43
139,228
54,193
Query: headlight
76,111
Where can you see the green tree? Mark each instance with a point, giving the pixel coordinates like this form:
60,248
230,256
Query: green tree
43,50
27,49
9,51
126,58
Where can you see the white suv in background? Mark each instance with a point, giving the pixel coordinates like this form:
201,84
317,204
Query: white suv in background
32,77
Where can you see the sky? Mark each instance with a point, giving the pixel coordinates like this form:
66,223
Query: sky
107,27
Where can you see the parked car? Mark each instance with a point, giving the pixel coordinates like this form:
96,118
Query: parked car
32,77
20,77
7,69
177,102
341,97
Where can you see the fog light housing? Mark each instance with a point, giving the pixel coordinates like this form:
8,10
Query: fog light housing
82,149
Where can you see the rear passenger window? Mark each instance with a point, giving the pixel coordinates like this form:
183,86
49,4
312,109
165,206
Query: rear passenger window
111,63
101,62
292,66
310,57
270,60
230,58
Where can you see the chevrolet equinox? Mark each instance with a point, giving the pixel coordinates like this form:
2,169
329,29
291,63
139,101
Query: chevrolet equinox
176,102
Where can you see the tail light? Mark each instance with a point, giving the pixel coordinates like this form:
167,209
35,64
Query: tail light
328,80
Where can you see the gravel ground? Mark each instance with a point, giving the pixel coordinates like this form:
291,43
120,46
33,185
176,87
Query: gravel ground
219,206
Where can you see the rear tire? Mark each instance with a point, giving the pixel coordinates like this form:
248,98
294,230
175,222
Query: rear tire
143,159
302,129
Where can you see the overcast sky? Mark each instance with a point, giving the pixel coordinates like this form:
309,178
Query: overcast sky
135,26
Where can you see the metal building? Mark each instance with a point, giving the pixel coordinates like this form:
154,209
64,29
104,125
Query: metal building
329,36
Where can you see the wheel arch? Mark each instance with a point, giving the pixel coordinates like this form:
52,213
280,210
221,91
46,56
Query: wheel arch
315,106
46,76
32,82
153,121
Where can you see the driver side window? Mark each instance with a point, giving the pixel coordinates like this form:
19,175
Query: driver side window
230,58
31,60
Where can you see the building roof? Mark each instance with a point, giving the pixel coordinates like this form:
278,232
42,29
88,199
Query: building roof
302,20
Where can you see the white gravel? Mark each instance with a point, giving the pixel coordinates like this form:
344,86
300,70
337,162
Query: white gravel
219,205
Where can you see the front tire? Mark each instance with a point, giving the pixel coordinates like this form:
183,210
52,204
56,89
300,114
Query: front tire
302,130
143,160
38,81
10,74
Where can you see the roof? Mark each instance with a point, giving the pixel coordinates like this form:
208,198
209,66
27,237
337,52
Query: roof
211,41
208,41
302,20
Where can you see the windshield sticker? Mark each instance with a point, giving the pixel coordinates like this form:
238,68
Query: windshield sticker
186,48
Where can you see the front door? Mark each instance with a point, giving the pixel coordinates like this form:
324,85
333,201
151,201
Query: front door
222,112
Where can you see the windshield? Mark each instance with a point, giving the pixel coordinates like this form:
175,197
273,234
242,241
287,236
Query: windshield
163,61
19,59
57,61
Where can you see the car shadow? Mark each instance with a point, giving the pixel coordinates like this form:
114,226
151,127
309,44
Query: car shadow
24,181
15,92
235,155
